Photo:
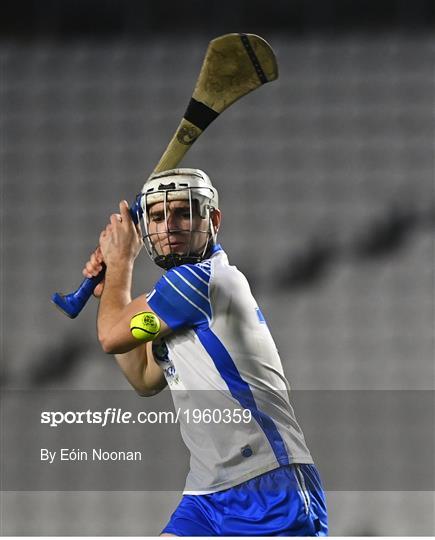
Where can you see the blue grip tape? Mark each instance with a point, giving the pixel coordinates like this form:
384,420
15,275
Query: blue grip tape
72,304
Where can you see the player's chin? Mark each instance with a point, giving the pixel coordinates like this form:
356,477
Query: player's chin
176,249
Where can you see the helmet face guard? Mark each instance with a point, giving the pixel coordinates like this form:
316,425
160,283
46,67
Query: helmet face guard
193,187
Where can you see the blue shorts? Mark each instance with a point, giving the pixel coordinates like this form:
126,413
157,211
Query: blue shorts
288,501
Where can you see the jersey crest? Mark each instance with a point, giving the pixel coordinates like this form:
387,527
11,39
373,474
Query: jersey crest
161,355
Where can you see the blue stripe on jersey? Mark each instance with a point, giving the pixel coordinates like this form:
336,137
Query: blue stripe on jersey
216,248
172,307
194,279
203,276
201,271
181,296
241,391
260,315
185,289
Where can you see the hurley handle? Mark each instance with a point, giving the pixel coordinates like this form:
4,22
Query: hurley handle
71,304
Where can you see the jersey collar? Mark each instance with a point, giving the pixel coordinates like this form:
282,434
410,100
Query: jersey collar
215,249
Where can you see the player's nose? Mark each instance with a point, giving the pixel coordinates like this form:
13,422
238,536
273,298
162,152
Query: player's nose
173,221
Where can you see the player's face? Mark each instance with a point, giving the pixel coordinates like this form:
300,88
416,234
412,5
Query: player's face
178,232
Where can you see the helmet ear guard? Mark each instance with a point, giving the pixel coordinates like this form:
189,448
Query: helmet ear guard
174,185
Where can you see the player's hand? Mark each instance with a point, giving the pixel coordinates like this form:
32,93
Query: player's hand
121,240
93,267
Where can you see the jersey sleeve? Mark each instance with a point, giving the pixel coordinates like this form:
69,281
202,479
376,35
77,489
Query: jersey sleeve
181,297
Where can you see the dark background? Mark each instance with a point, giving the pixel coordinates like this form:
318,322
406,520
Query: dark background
138,19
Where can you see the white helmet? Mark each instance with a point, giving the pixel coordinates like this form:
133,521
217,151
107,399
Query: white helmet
180,184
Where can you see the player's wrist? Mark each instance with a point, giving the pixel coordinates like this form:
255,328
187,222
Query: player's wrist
119,275
122,264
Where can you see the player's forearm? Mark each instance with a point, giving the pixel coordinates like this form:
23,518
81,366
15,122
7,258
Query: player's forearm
116,295
133,365
140,370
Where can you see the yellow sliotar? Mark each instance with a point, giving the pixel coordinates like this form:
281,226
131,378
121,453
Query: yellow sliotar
145,326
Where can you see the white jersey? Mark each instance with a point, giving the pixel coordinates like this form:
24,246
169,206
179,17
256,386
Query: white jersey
225,375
